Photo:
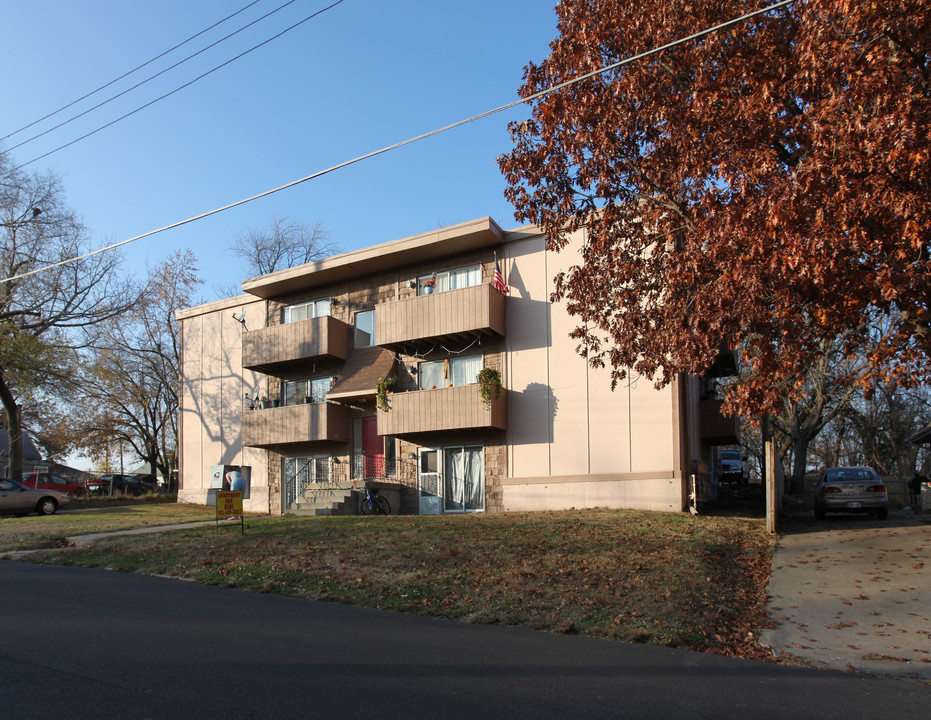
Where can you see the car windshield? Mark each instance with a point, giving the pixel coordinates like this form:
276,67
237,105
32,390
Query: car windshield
850,475
729,455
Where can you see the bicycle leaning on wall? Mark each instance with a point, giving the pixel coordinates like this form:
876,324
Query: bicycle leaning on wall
372,503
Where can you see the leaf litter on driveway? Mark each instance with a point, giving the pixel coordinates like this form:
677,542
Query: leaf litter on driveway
853,594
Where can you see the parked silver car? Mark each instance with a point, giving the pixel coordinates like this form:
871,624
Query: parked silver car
851,490
17,499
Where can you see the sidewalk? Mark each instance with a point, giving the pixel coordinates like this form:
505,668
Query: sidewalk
91,538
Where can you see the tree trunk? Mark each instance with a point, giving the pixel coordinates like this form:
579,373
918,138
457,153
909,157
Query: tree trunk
799,463
15,422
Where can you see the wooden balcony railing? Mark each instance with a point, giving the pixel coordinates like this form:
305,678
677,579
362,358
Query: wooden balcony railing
277,346
311,422
406,324
455,408
715,427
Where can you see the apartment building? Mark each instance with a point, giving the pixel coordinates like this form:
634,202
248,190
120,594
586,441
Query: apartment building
365,367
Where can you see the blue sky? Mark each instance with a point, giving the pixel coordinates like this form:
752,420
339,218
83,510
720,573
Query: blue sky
359,77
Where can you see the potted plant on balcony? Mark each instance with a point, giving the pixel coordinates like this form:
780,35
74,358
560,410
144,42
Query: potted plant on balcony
274,399
382,390
489,385
429,284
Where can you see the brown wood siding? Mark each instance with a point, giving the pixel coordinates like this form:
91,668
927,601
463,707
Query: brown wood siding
715,427
477,309
455,408
310,422
265,348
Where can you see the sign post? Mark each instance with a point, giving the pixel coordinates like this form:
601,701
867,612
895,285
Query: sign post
229,505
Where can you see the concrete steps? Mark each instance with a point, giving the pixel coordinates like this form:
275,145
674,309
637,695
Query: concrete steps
326,500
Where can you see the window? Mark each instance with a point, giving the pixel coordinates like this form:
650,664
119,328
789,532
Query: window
453,372
305,311
294,391
453,279
365,329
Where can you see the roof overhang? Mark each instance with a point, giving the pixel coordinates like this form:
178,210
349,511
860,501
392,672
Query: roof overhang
443,242
921,437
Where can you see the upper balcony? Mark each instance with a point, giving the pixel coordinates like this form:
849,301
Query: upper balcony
278,346
294,424
452,408
410,324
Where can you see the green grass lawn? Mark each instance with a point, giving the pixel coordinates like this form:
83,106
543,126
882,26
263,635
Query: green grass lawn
664,578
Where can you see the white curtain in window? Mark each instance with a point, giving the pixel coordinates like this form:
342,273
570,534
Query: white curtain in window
318,389
465,369
463,485
453,480
431,374
464,277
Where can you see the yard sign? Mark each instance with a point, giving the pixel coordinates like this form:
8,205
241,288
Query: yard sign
229,505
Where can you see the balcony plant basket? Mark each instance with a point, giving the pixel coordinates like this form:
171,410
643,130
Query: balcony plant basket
382,390
489,385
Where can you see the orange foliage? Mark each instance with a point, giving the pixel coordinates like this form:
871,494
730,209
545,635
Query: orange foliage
764,187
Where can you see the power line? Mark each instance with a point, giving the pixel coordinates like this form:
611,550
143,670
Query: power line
124,75
360,158
172,92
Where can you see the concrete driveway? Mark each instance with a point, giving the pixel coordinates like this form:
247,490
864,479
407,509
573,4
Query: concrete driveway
851,593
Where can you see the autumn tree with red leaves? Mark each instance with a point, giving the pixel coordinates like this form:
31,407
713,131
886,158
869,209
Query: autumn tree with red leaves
764,187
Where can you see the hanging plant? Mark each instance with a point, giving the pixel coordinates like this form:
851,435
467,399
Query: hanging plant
489,385
382,389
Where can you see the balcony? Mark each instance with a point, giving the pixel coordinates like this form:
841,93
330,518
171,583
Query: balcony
716,428
311,422
413,324
278,346
454,408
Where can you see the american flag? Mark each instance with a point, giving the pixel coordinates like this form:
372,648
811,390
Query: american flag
498,280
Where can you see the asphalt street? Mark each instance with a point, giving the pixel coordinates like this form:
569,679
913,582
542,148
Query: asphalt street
91,643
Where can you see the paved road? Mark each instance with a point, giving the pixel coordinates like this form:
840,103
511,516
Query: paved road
849,592
80,643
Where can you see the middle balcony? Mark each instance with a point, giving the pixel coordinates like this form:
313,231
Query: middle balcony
453,408
413,324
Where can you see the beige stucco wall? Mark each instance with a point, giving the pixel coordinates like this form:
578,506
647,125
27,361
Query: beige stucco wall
212,398
572,442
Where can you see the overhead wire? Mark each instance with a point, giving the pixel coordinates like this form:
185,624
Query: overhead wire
141,83
172,92
423,136
126,74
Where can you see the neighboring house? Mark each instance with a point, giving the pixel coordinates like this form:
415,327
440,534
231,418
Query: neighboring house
32,459
319,337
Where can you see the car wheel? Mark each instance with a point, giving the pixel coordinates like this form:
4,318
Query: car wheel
47,506
882,514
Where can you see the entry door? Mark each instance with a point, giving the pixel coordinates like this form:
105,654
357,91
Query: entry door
428,476
373,449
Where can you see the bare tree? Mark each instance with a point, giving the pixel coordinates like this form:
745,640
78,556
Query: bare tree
283,244
47,317
131,379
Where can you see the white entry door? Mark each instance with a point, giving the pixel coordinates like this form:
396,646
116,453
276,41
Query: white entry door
428,480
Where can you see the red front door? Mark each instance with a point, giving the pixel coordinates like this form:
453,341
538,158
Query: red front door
373,448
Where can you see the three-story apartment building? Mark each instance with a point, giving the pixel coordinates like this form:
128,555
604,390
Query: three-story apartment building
365,367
